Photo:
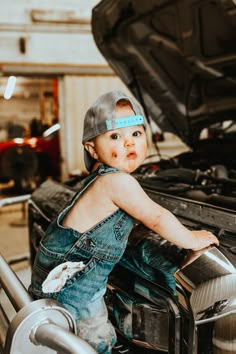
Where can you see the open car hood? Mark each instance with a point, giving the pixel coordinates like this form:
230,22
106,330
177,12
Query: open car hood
178,58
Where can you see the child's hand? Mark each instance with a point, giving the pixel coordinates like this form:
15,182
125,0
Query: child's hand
205,239
193,255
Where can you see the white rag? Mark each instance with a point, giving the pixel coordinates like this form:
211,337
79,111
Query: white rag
57,278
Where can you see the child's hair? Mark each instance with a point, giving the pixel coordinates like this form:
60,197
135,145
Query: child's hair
101,117
123,102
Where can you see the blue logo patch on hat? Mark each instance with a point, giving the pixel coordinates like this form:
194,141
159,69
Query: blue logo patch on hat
123,122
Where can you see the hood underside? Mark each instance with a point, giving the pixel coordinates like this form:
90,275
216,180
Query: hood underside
178,58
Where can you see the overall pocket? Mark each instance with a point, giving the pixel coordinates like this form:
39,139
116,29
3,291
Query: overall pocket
123,227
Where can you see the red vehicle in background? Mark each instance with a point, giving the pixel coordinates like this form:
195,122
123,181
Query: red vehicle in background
29,161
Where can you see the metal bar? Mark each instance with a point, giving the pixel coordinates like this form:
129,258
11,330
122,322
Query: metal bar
12,286
5,322
59,339
14,200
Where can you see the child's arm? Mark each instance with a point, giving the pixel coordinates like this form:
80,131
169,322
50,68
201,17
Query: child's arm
128,195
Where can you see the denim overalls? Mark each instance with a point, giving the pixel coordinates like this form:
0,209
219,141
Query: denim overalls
100,248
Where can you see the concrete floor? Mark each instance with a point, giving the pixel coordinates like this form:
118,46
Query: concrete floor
14,245
13,248
13,230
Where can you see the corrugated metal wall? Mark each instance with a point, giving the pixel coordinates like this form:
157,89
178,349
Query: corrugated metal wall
76,94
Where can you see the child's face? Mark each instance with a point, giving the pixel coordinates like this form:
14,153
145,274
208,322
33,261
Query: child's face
123,148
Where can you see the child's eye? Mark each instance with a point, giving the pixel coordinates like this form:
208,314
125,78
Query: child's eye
115,136
137,133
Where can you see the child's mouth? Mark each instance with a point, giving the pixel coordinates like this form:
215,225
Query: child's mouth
132,155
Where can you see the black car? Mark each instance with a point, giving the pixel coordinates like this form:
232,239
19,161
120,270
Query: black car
178,58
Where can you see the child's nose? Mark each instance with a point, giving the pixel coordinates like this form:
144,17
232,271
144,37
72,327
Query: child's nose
129,141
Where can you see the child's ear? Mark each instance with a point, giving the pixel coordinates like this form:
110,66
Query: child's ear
89,146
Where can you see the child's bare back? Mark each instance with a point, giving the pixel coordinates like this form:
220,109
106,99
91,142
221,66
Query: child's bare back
94,205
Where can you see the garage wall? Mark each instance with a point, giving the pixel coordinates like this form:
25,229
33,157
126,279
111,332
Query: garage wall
76,94
43,36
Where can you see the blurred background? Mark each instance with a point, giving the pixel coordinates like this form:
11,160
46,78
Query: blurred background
50,72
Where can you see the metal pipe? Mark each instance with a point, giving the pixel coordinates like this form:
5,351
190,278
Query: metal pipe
59,339
14,200
5,322
12,286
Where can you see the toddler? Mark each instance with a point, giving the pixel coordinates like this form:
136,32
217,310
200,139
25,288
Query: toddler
81,247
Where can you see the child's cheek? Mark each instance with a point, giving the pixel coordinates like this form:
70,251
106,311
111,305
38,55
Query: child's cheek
114,154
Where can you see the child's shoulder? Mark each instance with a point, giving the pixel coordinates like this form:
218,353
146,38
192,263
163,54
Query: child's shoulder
119,180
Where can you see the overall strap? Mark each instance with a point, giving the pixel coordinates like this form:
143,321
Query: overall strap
100,171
